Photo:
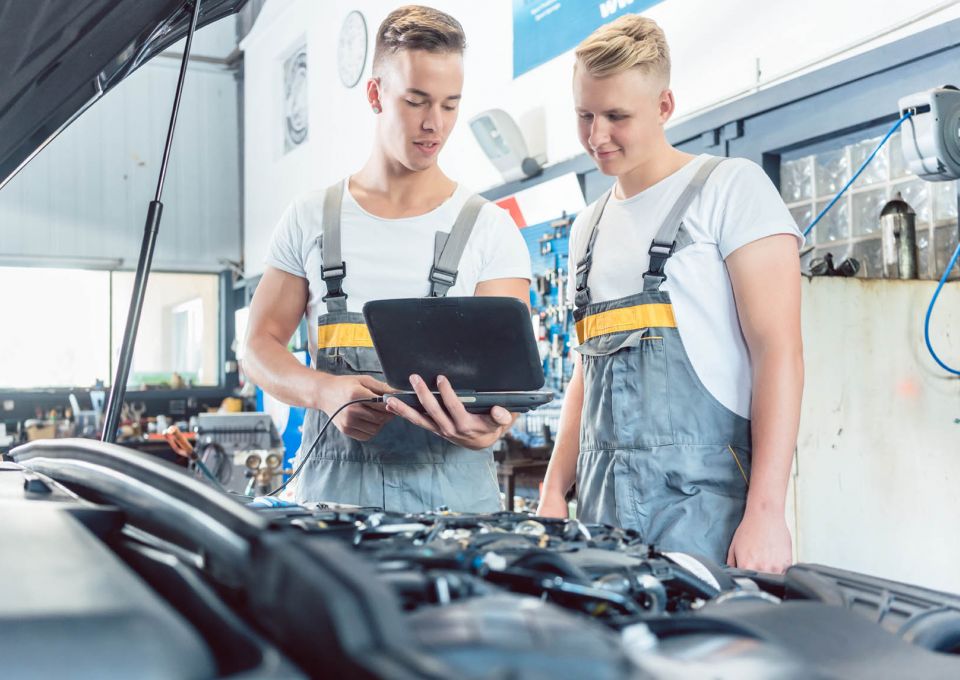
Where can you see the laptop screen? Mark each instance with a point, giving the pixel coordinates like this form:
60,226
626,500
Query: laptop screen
481,344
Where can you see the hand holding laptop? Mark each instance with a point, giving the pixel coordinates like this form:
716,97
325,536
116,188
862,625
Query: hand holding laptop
359,421
450,419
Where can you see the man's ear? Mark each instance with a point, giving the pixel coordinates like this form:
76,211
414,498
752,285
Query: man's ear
373,94
667,105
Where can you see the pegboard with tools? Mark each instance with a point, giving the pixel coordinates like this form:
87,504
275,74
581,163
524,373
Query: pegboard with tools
552,314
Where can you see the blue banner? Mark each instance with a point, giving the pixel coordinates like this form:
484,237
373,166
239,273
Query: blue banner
544,29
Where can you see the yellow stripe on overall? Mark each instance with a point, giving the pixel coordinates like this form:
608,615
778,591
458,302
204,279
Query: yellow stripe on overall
343,335
652,315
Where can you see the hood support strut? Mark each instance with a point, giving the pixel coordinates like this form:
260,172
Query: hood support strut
150,230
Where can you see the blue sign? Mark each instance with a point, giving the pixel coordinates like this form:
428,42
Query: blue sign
544,29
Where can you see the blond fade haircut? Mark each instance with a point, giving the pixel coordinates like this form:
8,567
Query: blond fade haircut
632,41
415,27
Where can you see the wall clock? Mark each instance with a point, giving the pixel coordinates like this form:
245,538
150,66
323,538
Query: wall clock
352,49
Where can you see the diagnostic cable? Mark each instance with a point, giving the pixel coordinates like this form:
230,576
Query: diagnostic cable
313,447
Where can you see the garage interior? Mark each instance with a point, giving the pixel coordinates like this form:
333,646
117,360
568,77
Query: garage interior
273,107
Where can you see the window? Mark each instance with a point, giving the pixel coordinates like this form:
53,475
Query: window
63,328
56,329
187,337
852,227
179,337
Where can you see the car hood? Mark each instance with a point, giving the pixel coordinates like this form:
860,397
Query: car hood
57,57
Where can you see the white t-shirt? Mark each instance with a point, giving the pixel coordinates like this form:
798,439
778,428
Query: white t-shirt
737,205
391,258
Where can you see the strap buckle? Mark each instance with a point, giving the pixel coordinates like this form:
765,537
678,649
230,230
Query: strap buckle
663,250
442,276
333,277
335,272
659,254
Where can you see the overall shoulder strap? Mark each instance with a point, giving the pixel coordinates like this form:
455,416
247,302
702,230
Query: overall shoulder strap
334,269
448,248
665,242
586,262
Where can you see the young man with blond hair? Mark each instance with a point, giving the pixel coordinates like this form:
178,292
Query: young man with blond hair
682,415
384,232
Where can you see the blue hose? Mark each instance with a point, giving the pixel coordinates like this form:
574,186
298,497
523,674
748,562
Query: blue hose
853,179
946,272
933,301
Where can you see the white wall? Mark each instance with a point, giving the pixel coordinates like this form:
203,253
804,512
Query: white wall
878,457
715,49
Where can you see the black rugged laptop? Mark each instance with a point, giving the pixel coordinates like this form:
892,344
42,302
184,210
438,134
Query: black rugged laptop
483,345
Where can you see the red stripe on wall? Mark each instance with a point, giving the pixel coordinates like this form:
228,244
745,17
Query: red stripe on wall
511,206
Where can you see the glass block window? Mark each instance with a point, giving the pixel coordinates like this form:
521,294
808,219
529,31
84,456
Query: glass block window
852,227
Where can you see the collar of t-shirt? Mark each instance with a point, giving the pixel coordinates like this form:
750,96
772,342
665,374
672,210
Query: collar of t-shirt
659,190
447,204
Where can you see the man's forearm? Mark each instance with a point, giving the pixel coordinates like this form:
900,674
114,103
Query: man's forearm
562,470
275,370
777,391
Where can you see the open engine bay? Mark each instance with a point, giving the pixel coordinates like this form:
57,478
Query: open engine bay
120,566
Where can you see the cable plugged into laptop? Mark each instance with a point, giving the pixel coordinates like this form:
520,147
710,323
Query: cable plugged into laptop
313,446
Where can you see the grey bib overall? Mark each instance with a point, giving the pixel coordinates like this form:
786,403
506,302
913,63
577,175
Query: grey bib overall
658,453
403,468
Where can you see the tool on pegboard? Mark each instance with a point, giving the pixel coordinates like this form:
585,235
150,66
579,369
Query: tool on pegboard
549,246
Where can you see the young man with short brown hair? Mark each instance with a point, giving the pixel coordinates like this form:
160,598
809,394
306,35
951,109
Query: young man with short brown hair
374,235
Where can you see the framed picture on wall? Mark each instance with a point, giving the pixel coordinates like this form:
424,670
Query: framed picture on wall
296,109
